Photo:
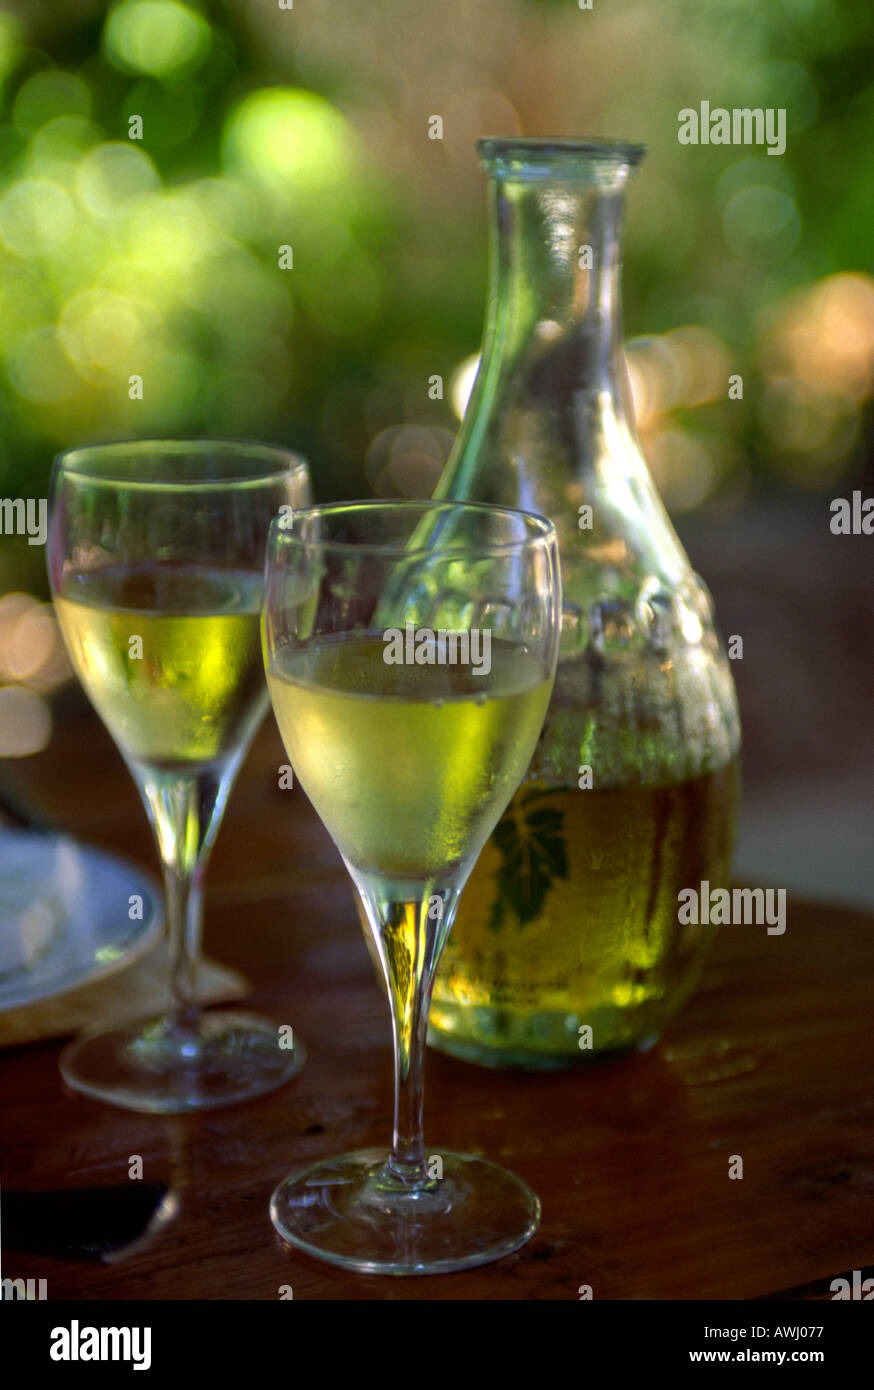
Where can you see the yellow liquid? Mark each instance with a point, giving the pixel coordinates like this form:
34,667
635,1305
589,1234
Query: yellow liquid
594,940
408,766
191,690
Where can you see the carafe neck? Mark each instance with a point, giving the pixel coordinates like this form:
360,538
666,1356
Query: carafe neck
555,263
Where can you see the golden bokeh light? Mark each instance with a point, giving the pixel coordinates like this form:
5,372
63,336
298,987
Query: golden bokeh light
33,662
32,651
825,336
25,722
683,467
681,369
407,460
817,352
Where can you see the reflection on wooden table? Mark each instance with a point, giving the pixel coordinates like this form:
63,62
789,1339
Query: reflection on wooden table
631,1158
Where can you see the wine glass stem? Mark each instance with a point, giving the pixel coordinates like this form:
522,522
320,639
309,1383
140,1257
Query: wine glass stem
407,1159
184,893
409,940
185,813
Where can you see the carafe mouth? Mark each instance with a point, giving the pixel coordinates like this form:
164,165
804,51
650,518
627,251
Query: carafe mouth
588,160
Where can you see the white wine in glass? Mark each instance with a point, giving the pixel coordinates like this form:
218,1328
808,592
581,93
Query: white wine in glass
407,767
191,690
156,552
410,751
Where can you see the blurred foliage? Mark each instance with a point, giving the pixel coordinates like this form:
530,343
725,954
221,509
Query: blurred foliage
265,128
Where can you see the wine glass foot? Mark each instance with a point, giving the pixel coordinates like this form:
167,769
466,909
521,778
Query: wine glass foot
345,1210
162,1066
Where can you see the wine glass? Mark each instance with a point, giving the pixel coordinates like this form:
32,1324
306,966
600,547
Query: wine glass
156,556
410,651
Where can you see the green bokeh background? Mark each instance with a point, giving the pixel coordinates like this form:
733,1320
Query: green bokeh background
264,127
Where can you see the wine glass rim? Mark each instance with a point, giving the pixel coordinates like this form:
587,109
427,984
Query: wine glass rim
73,462
543,532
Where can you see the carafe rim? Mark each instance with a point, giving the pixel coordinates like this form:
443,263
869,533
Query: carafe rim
532,157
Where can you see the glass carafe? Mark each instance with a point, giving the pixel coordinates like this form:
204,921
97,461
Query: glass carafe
568,944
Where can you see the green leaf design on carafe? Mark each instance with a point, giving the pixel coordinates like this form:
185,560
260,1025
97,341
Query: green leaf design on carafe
531,842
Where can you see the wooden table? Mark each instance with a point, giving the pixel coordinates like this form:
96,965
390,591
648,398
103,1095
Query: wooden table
771,1061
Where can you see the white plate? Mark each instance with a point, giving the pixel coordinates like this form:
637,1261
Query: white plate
65,915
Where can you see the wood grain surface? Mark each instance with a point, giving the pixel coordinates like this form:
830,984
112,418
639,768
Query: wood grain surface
770,1061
